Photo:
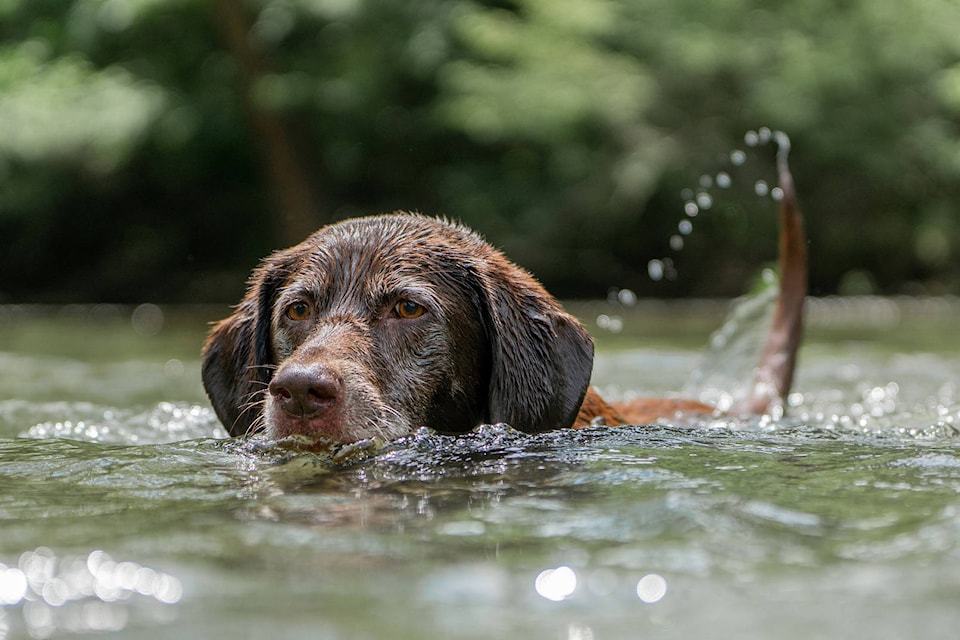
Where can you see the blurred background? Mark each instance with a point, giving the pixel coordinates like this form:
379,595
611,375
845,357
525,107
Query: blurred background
154,150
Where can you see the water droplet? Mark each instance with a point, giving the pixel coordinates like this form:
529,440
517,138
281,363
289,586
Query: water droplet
613,324
669,272
723,180
686,194
685,227
655,270
704,200
706,181
764,134
691,209
737,157
676,243
627,297
751,138
761,188
776,193
782,140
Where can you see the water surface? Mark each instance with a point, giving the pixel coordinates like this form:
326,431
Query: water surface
126,511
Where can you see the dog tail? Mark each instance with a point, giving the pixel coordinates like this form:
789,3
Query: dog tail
773,375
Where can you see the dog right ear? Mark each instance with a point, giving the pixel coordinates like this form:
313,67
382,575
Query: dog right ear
238,359
542,356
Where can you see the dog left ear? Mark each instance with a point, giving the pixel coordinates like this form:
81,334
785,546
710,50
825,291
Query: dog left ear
542,356
238,357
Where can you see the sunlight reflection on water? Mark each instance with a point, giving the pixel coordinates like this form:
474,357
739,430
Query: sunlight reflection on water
652,588
556,584
81,594
561,583
167,422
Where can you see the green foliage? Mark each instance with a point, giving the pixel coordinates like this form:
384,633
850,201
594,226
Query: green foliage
517,85
64,111
158,153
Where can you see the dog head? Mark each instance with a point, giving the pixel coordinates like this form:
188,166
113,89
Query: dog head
377,326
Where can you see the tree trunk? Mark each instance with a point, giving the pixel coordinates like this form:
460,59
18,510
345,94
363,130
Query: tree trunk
292,194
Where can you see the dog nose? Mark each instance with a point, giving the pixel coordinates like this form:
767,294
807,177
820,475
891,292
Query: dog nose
306,390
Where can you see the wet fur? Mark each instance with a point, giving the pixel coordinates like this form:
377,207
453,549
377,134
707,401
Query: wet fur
493,346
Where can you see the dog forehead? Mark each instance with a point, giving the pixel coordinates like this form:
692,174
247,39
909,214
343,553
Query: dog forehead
390,252
397,240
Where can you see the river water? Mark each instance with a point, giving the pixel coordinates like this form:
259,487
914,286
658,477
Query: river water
125,511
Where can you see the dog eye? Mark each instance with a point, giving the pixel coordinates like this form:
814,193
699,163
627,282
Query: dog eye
298,311
408,310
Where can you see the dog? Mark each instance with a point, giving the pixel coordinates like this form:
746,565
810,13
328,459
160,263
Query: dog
373,327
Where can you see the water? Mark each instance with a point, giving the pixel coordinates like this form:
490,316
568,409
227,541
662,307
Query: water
125,511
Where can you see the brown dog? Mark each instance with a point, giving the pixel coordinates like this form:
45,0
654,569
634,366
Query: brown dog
376,326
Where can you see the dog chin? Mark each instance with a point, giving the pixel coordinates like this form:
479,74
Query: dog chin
338,429
319,429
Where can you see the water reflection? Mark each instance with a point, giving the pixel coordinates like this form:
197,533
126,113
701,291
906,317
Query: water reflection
579,632
80,594
651,588
556,584
561,583
582,533
166,422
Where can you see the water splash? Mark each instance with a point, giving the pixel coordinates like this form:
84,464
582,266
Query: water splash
701,199
723,377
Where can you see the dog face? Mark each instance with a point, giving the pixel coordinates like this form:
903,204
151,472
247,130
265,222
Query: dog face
377,326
